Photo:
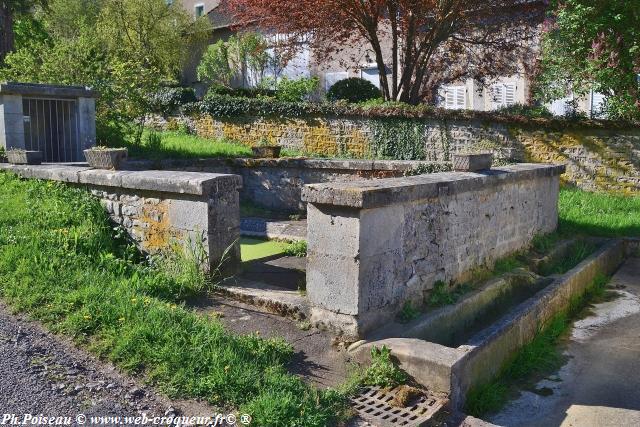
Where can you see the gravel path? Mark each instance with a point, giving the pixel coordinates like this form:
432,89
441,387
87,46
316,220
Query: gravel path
41,373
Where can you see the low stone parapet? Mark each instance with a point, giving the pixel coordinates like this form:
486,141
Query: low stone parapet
159,209
375,246
276,184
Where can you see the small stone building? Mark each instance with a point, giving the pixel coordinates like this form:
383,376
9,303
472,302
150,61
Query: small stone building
59,121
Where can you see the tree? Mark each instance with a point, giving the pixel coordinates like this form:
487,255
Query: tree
124,49
244,56
9,10
593,45
416,44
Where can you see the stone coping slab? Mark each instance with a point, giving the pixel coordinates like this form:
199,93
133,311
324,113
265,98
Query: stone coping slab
302,163
193,183
384,192
44,90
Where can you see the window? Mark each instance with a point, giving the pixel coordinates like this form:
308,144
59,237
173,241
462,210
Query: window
199,10
455,97
332,78
503,94
371,74
598,105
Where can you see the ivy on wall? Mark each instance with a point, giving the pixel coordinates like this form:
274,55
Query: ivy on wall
398,139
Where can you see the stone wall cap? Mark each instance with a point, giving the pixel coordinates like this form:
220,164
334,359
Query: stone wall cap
293,162
383,192
193,183
44,90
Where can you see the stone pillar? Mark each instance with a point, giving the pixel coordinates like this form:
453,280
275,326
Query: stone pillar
87,122
11,122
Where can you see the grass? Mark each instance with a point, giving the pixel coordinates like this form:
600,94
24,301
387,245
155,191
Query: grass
296,249
442,295
540,357
577,252
599,214
60,264
408,313
253,249
180,145
507,264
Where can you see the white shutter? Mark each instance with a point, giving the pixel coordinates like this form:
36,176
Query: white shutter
461,97
509,94
503,94
598,103
455,97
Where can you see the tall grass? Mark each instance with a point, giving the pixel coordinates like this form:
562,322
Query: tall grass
60,263
179,145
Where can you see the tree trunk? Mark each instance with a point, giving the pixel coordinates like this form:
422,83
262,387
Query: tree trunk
6,30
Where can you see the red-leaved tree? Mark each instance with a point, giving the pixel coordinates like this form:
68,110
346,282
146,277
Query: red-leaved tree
417,44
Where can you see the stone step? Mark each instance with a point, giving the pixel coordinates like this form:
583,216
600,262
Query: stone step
274,299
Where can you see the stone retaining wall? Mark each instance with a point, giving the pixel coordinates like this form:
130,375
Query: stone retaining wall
161,209
597,157
276,184
377,245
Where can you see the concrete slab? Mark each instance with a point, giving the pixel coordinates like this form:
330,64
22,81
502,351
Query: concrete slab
274,229
274,299
599,384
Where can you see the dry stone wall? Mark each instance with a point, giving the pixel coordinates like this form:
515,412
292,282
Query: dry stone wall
598,157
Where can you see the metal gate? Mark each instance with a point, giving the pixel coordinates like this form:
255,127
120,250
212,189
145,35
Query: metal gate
51,126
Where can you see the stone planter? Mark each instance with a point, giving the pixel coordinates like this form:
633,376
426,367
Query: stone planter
472,162
24,157
106,158
267,152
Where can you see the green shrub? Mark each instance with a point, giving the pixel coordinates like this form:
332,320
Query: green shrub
167,100
297,249
353,90
292,90
243,92
532,111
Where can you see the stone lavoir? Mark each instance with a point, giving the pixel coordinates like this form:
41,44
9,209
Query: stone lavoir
373,244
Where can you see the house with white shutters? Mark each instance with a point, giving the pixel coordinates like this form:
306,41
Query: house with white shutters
464,95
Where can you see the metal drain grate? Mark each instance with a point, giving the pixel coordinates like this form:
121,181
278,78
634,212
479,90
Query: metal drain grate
374,406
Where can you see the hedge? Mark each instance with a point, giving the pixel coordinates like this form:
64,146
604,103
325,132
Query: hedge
230,106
